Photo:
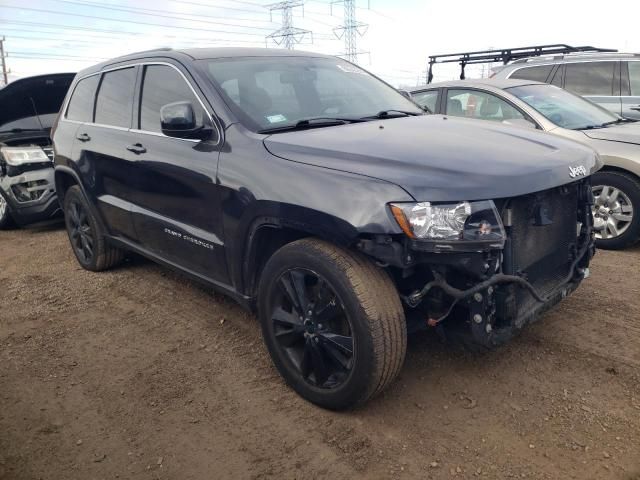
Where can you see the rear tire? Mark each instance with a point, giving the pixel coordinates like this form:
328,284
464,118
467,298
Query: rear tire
617,196
86,234
333,323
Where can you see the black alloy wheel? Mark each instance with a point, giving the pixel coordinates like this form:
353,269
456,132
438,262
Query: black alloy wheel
332,321
80,232
310,324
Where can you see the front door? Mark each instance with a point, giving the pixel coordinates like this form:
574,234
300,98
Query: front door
175,204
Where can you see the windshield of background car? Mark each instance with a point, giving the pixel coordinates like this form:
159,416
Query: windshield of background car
273,92
32,103
563,108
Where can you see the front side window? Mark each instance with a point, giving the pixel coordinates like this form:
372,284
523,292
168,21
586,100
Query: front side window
538,74
80,106
163,85
480,105
115,98
274,92
563,108
589,78
426,99
634,78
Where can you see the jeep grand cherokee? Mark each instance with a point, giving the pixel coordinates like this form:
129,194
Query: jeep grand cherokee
316,194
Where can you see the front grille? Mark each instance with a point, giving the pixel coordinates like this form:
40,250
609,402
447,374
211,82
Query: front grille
543,239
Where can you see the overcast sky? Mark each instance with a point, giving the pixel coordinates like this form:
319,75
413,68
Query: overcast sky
67,35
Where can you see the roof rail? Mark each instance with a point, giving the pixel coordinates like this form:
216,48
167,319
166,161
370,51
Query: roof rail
506,55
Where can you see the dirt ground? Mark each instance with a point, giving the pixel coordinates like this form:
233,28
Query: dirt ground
138,373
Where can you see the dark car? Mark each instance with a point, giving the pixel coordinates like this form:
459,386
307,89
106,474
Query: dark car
320,197
28,108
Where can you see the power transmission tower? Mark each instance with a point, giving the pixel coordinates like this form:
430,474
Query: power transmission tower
288,36
5,71
350,30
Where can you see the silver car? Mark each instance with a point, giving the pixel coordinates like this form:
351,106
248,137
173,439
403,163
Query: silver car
611,80
546,107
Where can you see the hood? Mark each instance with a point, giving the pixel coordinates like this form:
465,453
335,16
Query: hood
625,132
31,104
437,158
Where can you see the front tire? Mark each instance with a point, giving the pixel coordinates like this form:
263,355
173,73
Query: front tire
333,323
86,235
616,210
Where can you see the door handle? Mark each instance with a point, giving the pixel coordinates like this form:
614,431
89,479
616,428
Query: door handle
137,148
83,137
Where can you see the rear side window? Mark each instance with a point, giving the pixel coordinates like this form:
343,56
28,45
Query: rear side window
80,106
163,85
634,78
589,78
115,98
426,99
537,74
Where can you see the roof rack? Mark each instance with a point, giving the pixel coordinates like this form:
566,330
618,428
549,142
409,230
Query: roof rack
506,55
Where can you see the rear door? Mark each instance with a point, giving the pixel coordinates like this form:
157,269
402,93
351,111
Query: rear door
596,81
101,150
176,200
630,98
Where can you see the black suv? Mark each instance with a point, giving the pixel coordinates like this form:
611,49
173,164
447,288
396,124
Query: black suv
28,108
316,194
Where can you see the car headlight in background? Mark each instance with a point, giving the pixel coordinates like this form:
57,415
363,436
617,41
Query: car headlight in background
451,222
16,156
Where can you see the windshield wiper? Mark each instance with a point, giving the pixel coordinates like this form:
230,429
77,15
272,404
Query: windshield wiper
392,113
312,123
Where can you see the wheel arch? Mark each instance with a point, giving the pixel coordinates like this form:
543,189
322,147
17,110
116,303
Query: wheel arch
266,235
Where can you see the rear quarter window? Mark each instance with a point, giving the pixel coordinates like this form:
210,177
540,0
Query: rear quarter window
81,104
537,74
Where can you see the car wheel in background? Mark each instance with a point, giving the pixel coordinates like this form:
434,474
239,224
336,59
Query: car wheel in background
616,212
86,235
5,216
332,321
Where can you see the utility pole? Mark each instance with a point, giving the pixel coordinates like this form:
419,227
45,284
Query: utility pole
288,36
350,30
3,57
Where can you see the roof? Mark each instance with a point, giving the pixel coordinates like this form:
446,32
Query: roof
480,83
203,53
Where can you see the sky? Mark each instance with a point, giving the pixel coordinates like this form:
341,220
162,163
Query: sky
46,36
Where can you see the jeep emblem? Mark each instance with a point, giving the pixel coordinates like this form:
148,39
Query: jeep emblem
578,171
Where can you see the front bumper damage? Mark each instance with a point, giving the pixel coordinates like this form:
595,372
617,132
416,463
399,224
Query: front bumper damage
31,195
484,298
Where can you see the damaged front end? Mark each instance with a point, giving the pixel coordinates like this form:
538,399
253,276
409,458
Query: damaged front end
501,272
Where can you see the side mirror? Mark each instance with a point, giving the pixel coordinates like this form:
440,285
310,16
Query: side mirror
404,93
178,120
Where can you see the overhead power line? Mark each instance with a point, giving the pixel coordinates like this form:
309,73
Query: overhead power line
135,22
138,11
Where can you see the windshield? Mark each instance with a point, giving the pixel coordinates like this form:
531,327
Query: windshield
563,108
275,92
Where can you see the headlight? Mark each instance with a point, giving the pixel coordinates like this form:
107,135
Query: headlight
451,222
16,156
